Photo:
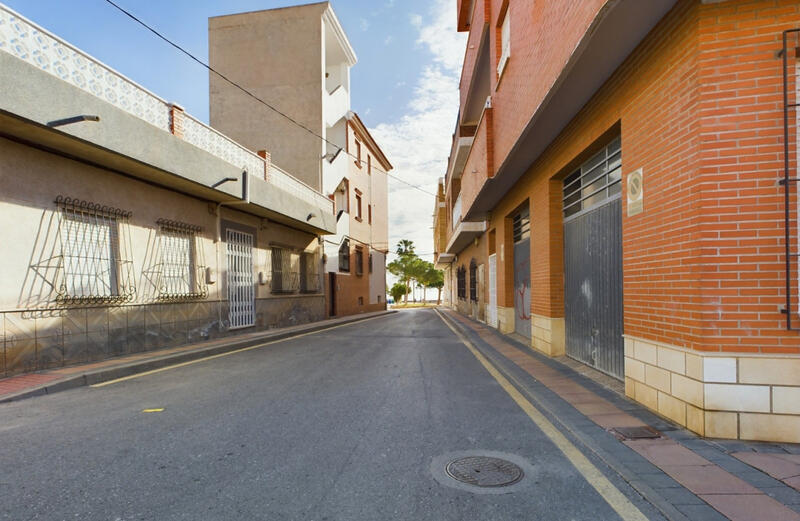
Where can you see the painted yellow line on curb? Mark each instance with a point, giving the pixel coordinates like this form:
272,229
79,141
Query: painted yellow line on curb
611,494
160,409
242,350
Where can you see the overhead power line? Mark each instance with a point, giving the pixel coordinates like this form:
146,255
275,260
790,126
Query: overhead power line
250,94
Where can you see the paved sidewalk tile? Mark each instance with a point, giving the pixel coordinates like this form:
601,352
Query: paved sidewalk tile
743,507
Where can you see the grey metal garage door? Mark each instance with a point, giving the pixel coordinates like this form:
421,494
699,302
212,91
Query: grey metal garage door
522,271
593,262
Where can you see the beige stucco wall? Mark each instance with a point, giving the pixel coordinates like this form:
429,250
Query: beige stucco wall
38,332
278,55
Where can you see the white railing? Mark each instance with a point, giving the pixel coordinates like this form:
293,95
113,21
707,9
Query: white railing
457,211
206,138
29,42
336,105
288,183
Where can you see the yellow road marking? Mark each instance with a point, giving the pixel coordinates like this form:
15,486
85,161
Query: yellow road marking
212,357
160,409
611,494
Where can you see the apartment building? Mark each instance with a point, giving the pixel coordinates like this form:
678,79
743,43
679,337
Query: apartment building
622,189
299,58
129,224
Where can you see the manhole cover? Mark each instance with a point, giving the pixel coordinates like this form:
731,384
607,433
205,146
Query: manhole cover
637,433
483,471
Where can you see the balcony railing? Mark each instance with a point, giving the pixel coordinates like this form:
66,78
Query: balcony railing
29,42
456,212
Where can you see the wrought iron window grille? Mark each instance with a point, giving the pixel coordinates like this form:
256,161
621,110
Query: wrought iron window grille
344,256
181,262
310,281
285,272
94,261
359,261
473,281
461,282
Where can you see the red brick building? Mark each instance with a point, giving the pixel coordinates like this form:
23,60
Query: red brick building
614,193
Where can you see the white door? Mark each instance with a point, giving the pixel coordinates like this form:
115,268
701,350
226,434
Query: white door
492,318
241,290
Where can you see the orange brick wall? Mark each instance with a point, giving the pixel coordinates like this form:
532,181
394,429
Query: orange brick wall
698,105
741,219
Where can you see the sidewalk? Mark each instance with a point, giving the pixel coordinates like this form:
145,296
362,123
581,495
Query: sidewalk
47,382
685,476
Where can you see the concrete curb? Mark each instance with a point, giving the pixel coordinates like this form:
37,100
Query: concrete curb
111,373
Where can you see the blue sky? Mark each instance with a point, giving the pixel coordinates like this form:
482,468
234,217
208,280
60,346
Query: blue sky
404,86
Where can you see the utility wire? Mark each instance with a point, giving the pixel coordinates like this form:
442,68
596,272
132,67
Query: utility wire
250,94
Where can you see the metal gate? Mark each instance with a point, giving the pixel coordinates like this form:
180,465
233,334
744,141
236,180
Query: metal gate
522,272
492,312
593,262
241,289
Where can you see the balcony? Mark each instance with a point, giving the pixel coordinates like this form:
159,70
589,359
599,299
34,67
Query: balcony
138,133
337,103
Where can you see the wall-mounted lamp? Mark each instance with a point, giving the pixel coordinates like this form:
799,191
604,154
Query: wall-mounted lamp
223,181
74,119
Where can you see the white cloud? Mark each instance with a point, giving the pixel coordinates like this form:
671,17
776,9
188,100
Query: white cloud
363,23
388,40
418,143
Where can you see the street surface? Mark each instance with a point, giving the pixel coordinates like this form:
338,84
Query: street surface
351,423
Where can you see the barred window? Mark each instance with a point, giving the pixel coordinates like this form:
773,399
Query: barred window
344,256
94,265
370,263
461,282
473,281
359,260
285,270
179,271
309,273
89,244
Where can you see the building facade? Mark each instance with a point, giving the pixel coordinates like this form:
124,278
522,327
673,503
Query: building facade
304,70
620,190
131,225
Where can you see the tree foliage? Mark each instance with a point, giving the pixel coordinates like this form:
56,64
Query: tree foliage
397,291
413,271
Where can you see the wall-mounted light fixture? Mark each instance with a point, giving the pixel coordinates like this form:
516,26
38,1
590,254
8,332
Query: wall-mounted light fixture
74,119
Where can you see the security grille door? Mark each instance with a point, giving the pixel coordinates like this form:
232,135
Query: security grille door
492,318
593,262
241,289
522,272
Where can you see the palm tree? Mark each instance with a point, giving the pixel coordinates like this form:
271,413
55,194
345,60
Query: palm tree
405,247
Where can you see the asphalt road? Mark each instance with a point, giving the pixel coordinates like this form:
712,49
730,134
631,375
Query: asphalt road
353,423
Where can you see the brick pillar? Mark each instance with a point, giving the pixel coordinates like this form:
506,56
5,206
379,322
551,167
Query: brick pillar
267,161
176,115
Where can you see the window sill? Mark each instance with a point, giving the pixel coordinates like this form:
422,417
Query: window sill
359,219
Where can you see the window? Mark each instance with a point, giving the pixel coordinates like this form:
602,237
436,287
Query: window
360,301
93,263
370,263
344,256
359,260
595,181
358,205
521,224
473,281
178,268
461,282
369,213
358,153
285,270
89,248
505,42
369,164
309,273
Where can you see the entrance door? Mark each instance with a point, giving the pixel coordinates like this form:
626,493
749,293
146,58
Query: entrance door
492,313
593,262
332,293
241,289
522,272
